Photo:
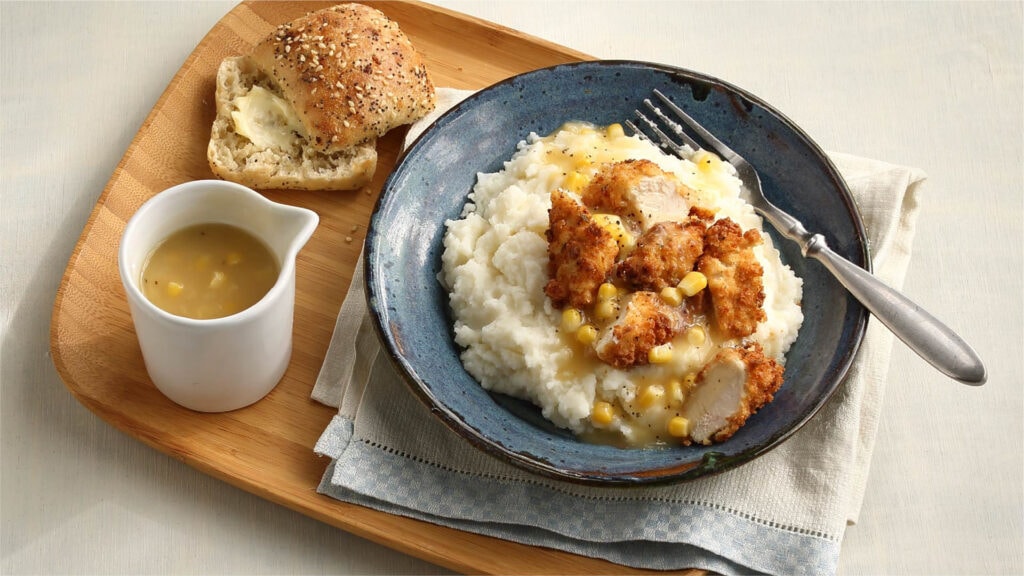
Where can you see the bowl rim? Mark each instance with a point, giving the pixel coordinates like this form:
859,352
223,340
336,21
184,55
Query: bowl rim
712,462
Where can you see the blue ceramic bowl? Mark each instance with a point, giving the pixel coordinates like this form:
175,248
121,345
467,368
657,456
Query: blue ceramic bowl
430,185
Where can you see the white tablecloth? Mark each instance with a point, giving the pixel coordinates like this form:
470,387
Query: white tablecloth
932,85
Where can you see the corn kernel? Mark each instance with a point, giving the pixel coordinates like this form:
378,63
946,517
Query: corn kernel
689,380
606,309
696,336
651,395
609,222
613,225
693,283
218,279
581,160
607,291
602,413
660,354
675,392
614,131
586,334
575,182
672,295
174,288
678,427
572,319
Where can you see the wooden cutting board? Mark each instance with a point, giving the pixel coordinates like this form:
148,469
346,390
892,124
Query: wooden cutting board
267,448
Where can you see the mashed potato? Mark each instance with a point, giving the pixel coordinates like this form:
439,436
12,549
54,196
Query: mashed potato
495,267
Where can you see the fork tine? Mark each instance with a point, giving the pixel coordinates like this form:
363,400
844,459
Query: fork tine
669,123
659,138
629,124
708,137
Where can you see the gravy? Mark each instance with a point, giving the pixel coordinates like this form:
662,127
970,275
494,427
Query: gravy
209,271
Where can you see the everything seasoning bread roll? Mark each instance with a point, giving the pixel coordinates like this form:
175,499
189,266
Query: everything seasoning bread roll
303,110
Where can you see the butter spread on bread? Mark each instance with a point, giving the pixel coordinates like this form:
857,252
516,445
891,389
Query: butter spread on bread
304,108
266,119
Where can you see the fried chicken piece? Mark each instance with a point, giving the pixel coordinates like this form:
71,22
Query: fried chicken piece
729,389
701,213
580,253
644,321
663,255
734,278
638,191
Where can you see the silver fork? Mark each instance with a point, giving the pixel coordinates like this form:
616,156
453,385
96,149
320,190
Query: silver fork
922,332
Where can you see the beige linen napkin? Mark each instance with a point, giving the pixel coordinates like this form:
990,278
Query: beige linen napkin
782,513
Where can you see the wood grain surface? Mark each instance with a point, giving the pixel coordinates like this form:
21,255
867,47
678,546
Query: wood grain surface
267,448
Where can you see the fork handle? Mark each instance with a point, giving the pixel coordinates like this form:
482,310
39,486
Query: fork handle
922,332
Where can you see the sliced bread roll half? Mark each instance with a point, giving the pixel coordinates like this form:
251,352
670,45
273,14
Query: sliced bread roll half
258,141
304,109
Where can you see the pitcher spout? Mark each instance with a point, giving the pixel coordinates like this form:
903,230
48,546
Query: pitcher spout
295,225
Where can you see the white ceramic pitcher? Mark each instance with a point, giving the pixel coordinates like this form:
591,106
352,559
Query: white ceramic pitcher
225,363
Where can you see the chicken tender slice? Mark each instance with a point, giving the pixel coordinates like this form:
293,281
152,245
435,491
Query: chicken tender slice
735,278
644,321
663,255
638,191
729,389
581,254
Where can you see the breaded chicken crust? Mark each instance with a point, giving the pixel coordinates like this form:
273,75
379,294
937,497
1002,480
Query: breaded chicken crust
734,277
636,191
644,322
580,253
663,255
